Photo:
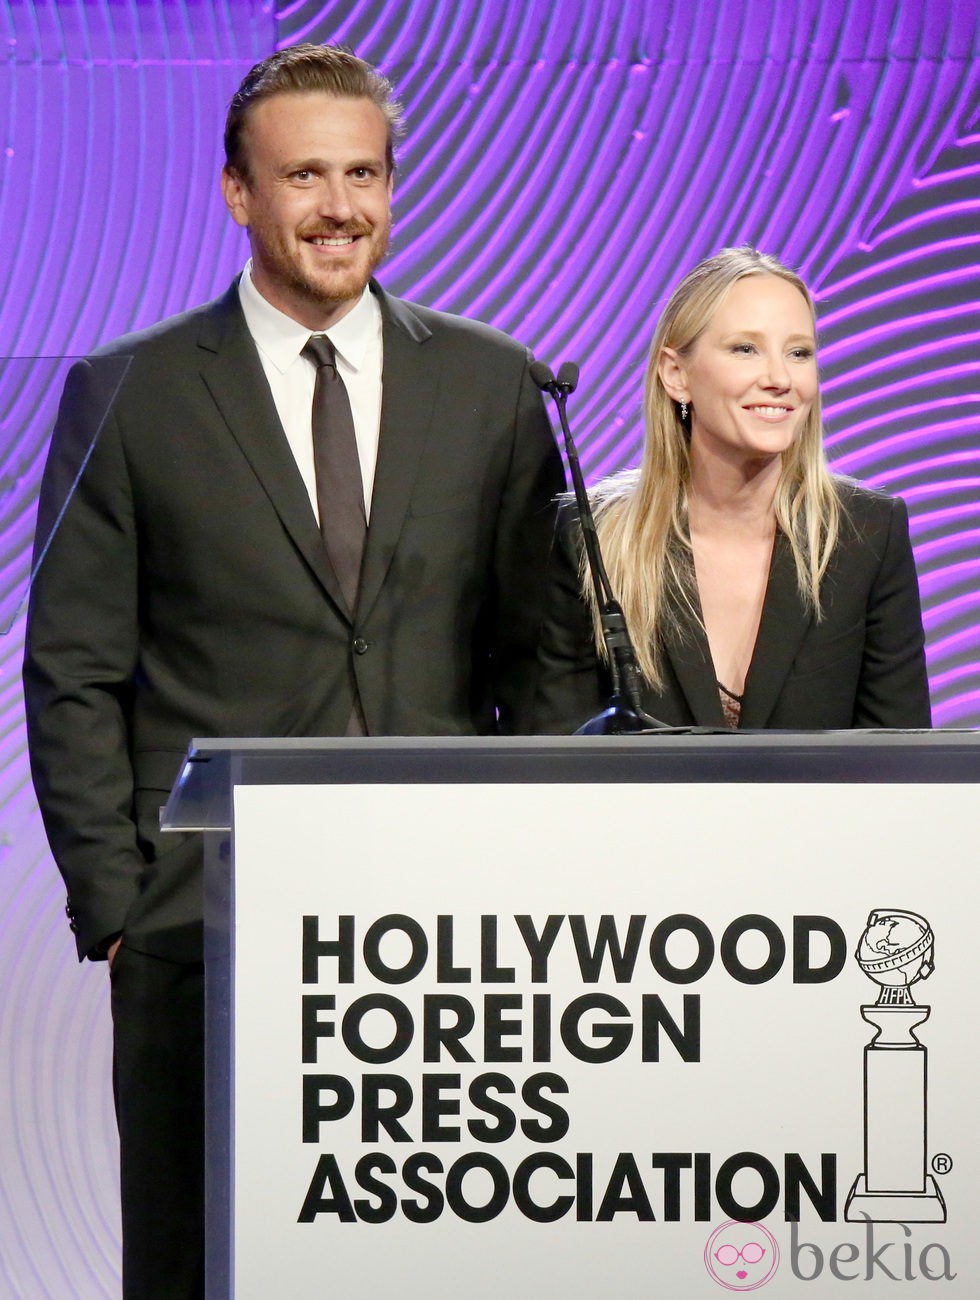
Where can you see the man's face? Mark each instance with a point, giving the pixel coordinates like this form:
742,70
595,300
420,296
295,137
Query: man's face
318,202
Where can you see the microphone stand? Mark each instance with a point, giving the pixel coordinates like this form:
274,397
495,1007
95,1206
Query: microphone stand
624,714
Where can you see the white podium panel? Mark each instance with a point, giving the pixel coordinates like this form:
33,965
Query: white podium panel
578,1038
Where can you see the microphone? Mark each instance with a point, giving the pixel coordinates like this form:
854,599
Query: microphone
624,713
542,376
567,380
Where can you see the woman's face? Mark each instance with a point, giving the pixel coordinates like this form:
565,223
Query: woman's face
751,378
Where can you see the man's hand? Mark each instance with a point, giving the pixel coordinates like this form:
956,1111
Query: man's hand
113,949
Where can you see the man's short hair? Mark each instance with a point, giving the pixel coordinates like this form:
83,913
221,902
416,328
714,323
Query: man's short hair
332,69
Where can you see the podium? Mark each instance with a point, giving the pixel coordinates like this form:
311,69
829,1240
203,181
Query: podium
561,1016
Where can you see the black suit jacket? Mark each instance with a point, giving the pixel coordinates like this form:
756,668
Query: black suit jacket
186,591
861,665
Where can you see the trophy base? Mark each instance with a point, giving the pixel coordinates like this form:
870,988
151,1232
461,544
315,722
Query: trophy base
895,1207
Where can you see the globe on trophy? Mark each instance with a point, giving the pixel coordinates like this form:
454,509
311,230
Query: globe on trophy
896,952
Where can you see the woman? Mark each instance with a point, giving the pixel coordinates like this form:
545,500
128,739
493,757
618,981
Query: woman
760,590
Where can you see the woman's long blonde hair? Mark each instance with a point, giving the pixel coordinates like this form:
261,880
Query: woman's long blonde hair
641,515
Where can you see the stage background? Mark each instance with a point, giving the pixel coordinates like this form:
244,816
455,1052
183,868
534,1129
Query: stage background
566,161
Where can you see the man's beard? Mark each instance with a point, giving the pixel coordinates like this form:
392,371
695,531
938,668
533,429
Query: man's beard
339,284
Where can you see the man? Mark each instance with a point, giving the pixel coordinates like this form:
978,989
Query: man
252,548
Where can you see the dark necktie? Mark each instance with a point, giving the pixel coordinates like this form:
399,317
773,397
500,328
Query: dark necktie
339,490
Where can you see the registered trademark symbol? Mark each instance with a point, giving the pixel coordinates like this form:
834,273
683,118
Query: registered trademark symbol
942,1163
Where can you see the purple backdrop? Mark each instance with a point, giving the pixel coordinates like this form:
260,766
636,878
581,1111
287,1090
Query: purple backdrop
564,164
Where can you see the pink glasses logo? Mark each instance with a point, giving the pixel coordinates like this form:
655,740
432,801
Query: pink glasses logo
741,1256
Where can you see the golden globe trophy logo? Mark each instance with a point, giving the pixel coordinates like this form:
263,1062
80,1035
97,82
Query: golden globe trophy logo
896,951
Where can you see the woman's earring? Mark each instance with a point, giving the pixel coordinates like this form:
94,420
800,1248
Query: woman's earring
683,410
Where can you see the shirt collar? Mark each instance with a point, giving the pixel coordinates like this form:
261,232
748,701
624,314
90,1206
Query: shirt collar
281,339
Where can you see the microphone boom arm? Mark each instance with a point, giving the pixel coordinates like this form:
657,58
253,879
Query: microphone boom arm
625,676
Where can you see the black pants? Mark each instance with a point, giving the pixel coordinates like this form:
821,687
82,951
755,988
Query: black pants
158,1079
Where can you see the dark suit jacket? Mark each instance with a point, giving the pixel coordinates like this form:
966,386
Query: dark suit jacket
186,590
861,665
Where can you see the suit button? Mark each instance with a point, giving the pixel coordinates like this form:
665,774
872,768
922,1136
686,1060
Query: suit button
360,645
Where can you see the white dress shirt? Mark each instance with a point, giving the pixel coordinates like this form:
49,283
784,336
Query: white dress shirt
357,340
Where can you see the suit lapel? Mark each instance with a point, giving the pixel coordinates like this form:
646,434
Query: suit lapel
782,628
686,646
233,374
407,405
